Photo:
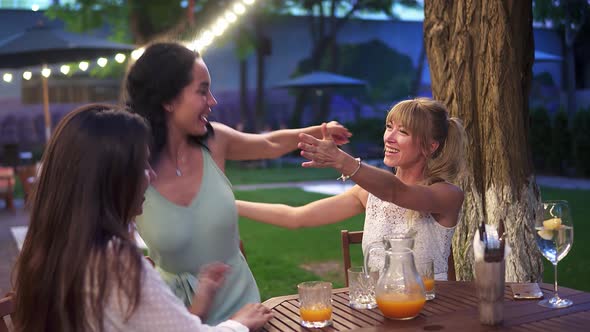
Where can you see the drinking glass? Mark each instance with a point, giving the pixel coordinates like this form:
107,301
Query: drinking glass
315,303
426,270
361,289
555,236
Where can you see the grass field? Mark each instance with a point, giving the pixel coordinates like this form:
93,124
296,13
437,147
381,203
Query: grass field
276,255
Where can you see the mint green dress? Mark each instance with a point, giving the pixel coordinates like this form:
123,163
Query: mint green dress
183,239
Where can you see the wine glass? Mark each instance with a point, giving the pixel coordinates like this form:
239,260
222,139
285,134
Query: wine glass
555,236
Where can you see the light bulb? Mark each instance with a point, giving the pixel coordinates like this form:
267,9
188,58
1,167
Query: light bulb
120,57
83,65
137,53
65,69
46,72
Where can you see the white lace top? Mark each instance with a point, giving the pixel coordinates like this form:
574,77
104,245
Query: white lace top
432,239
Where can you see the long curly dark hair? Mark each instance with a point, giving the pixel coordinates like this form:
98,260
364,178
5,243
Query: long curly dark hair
159,76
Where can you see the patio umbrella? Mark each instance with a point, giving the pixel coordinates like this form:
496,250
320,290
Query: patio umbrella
42,45
321,79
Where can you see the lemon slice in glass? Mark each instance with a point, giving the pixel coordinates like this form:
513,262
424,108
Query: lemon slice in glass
552,224
545,234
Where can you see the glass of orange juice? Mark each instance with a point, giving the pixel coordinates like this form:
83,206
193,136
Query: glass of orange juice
315,303
426,270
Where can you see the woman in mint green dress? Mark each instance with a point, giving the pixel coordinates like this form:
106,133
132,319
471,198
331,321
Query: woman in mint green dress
189,215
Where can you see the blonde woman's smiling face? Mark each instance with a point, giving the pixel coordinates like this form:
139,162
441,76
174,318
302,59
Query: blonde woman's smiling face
401,148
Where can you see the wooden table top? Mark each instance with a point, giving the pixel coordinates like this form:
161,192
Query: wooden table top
453,309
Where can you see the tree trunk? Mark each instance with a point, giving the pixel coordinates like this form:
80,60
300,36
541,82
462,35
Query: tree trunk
481,54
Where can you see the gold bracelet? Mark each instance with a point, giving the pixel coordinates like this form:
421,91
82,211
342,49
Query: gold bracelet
343,177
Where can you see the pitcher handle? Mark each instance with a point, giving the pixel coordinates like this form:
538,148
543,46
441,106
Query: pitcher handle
377,245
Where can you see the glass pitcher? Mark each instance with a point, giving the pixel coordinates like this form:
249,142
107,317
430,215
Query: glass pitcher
400,291
394,240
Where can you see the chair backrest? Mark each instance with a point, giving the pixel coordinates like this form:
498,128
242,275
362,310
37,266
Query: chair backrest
6,310
349,238
7,182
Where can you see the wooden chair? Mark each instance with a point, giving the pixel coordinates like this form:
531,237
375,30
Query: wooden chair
349,238
7,182
6,311
27,176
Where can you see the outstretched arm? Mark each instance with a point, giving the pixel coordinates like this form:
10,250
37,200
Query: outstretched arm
237,145
322,212
443,198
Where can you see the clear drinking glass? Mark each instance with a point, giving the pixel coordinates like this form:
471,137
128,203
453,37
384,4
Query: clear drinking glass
361,289
555,236
426,270
315,303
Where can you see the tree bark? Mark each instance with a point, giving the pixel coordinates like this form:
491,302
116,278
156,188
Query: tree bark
481,54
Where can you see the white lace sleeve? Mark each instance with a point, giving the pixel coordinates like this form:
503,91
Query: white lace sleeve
159,310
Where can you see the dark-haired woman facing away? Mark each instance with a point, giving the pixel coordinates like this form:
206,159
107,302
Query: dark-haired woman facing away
80,269
190,216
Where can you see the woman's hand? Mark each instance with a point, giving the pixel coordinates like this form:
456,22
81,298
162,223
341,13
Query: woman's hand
321,153
211,277
253,316
338,132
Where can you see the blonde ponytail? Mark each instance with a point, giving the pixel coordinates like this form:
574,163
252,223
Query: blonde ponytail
448,162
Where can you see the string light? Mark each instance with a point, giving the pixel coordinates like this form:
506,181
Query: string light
137,53
46,72
102,62
230,16
239,8
120,57
199,43
65,69
83,65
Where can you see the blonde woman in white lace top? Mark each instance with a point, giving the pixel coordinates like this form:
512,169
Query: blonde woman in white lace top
425,147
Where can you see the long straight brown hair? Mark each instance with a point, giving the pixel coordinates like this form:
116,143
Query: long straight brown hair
78,245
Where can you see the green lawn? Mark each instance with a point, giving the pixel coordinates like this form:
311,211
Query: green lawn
287,173
276,254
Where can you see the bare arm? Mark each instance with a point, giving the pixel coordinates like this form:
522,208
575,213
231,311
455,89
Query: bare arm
322,212
236,145
442,198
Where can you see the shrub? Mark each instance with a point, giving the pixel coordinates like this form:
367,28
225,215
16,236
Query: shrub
560,156
540,137
581,140
367,139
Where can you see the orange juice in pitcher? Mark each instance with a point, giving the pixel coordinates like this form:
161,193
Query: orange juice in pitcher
400,290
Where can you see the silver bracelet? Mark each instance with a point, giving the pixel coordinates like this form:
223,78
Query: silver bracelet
343,177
